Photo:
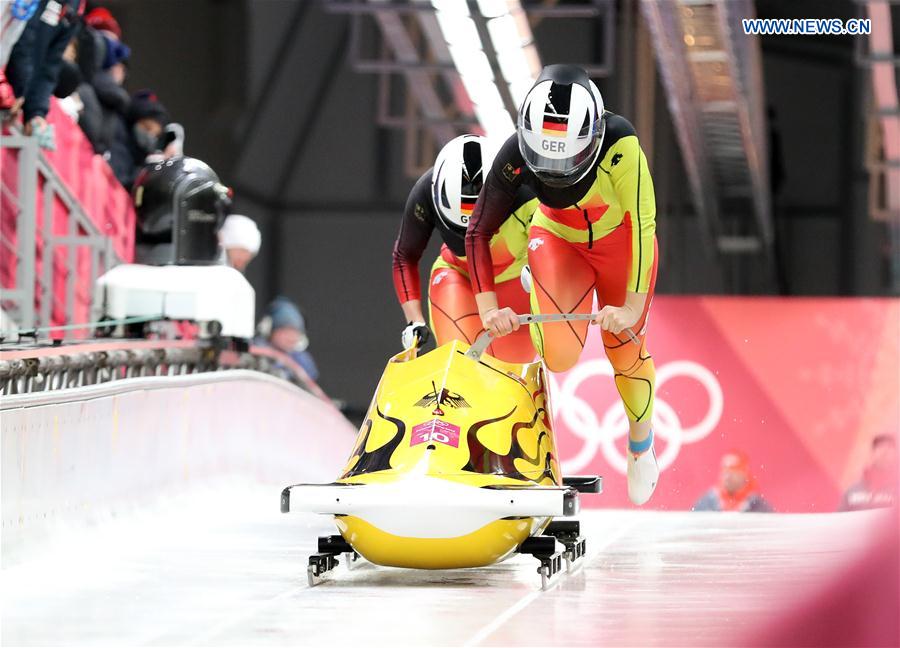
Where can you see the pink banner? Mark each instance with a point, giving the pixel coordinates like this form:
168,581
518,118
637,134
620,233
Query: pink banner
800,385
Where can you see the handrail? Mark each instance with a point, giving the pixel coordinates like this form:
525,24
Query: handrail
483,341
39,368
145,383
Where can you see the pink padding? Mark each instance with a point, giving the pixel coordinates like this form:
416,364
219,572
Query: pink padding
858,608
91,182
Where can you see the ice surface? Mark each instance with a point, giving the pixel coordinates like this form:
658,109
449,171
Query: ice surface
222,566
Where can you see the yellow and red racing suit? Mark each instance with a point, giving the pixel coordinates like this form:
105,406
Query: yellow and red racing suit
595,237
452,308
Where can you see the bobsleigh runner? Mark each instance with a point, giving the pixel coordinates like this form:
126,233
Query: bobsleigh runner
455,466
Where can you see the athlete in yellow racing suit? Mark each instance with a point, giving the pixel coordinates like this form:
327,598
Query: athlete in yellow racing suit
443,199
592,235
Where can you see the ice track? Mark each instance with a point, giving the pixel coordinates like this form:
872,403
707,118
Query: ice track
222,566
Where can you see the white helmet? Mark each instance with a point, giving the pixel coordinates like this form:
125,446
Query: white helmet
561,125
458,176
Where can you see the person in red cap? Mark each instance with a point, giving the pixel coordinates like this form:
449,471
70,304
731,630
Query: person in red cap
102,20
737,489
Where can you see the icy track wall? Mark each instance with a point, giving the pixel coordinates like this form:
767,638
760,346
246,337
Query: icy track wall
77,456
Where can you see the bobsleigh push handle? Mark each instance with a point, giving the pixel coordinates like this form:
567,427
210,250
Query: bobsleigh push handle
484,340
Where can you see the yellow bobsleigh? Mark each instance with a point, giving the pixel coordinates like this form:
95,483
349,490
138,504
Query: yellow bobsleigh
455,466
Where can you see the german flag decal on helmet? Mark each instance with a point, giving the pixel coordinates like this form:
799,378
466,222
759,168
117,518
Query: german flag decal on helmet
556,111
457,179
555,125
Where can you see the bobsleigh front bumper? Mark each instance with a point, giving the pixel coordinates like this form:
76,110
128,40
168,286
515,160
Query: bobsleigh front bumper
431,497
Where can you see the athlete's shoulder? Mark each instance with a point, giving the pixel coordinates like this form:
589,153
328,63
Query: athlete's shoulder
617,129
509,163
420,204
618,141
509,151
423,184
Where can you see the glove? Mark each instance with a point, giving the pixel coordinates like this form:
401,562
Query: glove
413,333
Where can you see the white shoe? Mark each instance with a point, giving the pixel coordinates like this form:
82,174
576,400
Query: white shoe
525,278
643,473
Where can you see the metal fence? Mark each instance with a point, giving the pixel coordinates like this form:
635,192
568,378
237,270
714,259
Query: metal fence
30,368
28,292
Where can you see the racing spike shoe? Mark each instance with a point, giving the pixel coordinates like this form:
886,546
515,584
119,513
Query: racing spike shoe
525,278
643,470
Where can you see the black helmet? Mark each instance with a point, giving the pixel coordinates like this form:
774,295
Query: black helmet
180,206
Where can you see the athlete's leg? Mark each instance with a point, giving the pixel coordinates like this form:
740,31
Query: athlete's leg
451,306
517,346
562,282
634,372
635,375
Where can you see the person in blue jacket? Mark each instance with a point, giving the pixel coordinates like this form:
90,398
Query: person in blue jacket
283,328
36,59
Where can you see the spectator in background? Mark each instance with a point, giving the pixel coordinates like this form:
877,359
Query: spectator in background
101,20
283,328
69,81
104,57
83,102
143,124
98,118
736,490
147,118
35,61
240,240
878,486
14,15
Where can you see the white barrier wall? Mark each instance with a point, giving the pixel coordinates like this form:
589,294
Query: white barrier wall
78,455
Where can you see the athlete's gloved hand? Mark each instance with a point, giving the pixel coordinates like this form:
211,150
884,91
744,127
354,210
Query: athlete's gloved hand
415,331
616,319
500,321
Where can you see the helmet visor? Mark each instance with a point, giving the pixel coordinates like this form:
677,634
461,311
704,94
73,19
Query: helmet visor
546,153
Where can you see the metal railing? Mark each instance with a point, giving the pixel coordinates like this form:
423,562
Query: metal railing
30,297
27,369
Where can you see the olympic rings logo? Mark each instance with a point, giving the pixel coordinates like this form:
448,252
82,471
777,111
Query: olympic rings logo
607,433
